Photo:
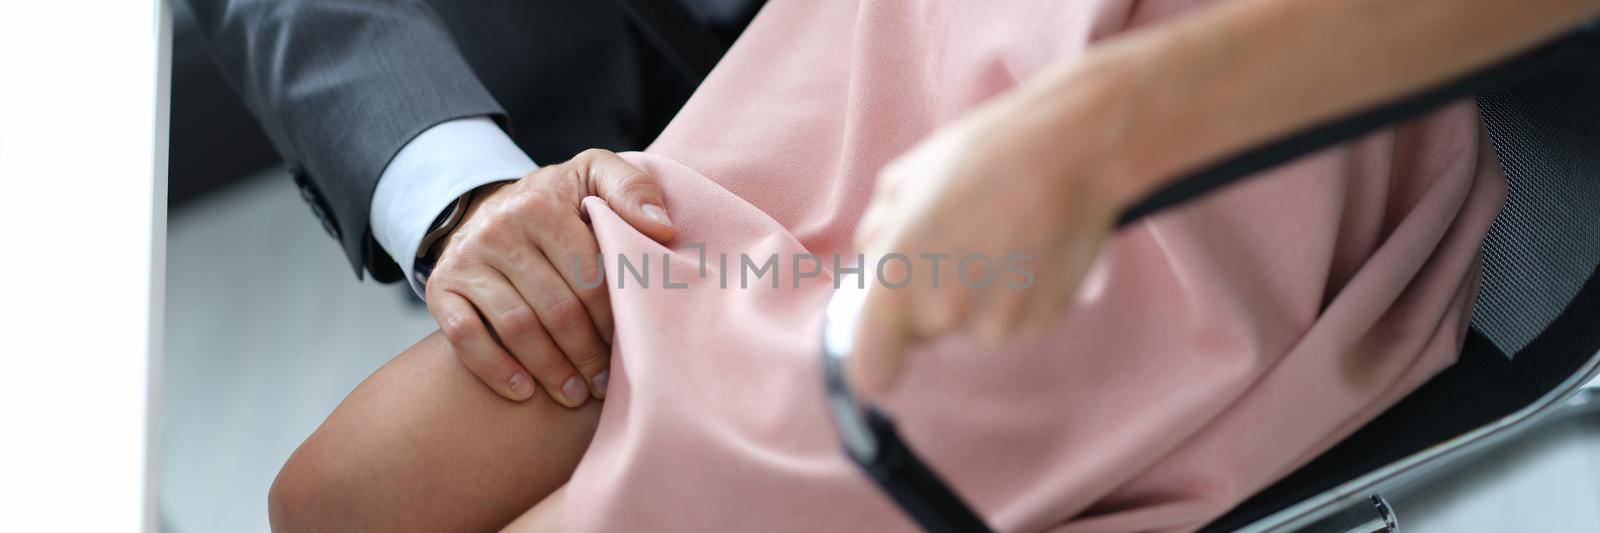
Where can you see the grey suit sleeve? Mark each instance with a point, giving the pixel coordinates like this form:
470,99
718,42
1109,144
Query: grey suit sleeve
340,86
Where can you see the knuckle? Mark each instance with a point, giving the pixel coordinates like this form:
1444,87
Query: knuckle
637,184
455,327
541,206
496,231
492,225
592,154
517,323
566,313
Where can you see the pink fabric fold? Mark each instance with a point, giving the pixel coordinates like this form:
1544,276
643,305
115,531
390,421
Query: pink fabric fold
1214,348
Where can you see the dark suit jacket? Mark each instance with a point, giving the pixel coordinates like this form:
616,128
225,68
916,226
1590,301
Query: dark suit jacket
341,85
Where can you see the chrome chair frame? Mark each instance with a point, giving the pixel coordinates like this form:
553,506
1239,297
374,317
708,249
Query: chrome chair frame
1350,506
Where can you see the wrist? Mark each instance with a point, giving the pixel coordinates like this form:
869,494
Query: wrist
1088,121
446,224
1140,108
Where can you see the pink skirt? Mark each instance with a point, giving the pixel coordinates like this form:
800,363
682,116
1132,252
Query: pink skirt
1214,349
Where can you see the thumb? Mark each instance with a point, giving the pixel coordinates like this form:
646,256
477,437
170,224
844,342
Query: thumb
632,193
880,341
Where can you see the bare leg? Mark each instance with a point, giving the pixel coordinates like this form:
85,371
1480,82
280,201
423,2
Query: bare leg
542,518
422,445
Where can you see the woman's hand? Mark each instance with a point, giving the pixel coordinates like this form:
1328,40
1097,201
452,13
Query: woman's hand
1042,170
998,216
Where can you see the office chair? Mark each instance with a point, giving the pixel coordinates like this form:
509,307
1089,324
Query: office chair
1531,348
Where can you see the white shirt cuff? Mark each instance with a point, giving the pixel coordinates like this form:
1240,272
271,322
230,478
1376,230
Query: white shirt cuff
429,173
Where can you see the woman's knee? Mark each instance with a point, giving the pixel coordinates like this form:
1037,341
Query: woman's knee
306,495
422,445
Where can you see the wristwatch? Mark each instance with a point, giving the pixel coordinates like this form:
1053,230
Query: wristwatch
427,250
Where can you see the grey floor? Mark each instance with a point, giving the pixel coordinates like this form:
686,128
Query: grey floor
267,330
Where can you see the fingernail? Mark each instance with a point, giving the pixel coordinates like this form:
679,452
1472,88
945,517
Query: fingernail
656,213
521,385
601,381
575,391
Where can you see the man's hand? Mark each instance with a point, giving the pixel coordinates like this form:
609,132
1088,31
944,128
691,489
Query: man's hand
516,286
